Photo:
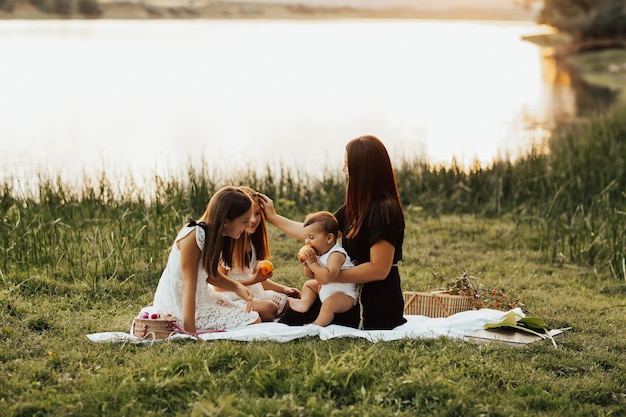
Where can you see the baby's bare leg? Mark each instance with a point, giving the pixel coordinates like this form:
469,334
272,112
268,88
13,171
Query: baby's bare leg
336,303
308,295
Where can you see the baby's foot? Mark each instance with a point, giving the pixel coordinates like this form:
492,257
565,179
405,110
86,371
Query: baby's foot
298,305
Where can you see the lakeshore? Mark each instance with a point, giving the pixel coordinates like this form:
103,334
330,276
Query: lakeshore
601,65
165,9
548,229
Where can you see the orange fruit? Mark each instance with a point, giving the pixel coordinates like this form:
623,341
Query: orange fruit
265,267
301,256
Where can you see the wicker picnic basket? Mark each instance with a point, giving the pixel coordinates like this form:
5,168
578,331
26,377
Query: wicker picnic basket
435,304
160,328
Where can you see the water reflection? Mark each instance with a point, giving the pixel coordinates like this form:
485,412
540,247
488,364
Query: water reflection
569,96
145,98
589,98
561,96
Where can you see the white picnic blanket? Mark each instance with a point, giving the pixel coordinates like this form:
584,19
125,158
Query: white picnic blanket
456,326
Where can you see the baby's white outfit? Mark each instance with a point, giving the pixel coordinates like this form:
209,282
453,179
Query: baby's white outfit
213,311
327,290
239,274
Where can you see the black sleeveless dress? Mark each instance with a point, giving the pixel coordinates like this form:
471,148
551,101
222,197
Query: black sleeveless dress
380,303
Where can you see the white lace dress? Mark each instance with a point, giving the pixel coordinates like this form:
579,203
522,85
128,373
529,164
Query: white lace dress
257,289
213,311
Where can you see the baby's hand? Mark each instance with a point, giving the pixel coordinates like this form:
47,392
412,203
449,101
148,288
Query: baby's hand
311,257
302,254
307,255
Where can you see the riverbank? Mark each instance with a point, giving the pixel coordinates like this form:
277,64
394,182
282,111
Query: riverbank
599,65
603,68
20,9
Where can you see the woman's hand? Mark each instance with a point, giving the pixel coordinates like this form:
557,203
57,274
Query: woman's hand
291,227
267,205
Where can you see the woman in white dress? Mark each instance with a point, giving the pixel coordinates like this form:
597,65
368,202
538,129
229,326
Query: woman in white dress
270,298
193,261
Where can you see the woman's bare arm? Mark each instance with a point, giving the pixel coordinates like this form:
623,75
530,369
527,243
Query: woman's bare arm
291,227
377,269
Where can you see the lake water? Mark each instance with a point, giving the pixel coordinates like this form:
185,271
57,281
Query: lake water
142,98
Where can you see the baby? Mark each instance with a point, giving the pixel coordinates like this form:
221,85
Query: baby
323,257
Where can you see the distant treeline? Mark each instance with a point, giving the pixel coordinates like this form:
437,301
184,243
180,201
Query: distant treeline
586,20
90,8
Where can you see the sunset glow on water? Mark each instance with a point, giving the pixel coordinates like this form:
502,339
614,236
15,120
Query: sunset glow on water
145,98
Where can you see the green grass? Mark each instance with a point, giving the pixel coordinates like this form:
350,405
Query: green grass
549,228
49,367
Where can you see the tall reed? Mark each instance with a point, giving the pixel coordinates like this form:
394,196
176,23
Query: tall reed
575,192
586,215
103,229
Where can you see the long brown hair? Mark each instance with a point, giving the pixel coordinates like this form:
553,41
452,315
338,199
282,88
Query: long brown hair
370,178
228,203
258,239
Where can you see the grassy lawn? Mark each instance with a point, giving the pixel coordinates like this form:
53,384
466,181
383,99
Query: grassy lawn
549,228
49,367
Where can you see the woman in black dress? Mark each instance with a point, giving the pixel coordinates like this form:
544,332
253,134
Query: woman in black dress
372,229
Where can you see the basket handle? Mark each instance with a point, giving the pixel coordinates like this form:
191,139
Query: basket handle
445,311
407,303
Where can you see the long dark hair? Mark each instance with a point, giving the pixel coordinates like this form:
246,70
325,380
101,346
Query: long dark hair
258,239
370,178
228,203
